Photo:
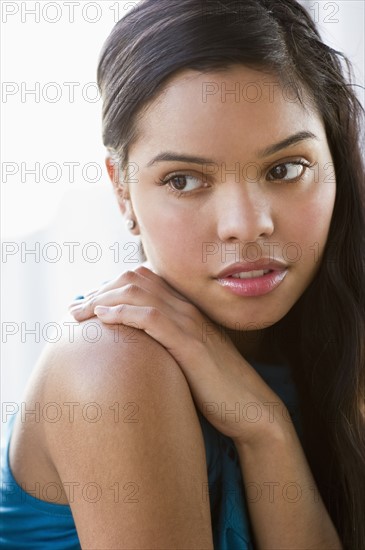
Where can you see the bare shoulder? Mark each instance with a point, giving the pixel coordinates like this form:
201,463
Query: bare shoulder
95,359
125,439
102,374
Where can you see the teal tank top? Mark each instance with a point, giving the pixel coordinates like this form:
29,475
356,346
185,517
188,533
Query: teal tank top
28,523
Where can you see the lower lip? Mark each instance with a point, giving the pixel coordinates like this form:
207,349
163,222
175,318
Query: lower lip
257,286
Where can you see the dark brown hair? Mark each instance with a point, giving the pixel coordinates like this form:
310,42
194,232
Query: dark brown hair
323,335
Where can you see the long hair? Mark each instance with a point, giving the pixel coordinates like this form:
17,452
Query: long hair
322,336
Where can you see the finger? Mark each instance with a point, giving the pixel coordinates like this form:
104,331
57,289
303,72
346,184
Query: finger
148,273
140,274
150,319
125,278
145,275
130,294
109,294
79,300
76,301
105,287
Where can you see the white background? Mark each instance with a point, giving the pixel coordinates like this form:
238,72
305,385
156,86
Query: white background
46,129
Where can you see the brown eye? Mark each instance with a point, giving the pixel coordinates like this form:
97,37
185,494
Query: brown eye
184,182
280,171
287,171
178,182
181,184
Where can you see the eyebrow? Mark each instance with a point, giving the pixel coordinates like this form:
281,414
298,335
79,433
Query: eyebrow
169,156
287,142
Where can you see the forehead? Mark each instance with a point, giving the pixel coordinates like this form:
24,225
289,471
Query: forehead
218,109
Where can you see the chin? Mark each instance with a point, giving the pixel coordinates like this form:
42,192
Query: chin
249,322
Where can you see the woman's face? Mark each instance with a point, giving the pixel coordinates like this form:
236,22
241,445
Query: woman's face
242,203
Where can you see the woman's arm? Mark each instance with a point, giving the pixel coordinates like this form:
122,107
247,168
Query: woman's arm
131,456
285,506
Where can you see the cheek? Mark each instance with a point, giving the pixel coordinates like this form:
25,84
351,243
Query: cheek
320,206
172,236
310,222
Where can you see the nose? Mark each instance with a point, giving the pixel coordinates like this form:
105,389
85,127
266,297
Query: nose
244,213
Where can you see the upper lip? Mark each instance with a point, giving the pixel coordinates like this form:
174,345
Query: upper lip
258,265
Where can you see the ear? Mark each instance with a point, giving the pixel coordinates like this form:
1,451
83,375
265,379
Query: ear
121,191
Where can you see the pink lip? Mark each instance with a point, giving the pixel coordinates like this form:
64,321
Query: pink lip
257,286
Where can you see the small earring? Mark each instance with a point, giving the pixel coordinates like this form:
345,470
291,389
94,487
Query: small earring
131,224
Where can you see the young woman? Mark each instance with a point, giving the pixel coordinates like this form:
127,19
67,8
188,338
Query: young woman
222,405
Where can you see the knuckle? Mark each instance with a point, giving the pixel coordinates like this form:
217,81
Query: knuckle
126,276
141,269
131,289
152,314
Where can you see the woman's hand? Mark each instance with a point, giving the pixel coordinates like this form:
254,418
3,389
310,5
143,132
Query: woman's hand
225,388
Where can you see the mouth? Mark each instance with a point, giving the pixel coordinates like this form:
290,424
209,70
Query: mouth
250,274
253,283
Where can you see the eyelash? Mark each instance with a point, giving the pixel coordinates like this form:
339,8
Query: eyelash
165,181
